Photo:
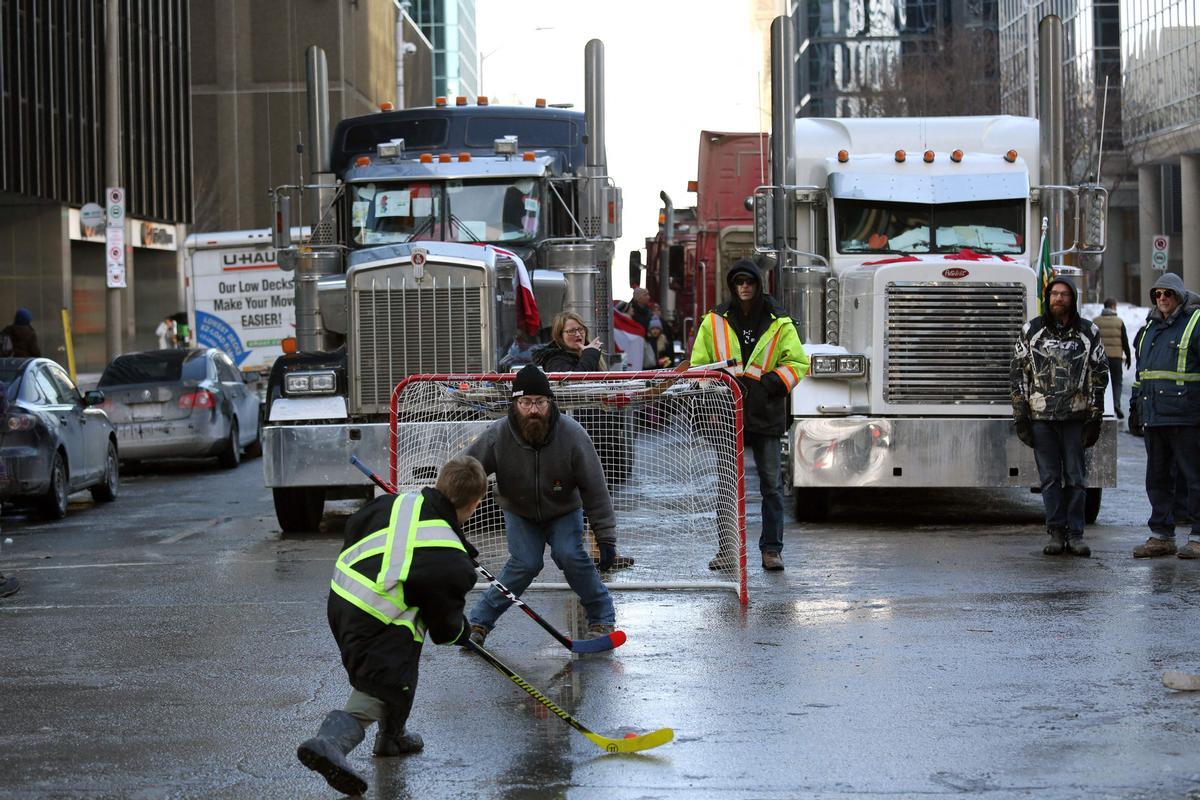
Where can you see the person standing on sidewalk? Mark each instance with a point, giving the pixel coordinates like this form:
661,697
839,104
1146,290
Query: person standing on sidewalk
1116,344
1168,379
1058,376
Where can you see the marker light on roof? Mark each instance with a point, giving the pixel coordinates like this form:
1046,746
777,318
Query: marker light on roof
528,156
843,156
1010,156
362,161
444,158
440,102
956,156
426,158
928,156
900,156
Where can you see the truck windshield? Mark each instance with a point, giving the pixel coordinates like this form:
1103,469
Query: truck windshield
872,226
505,210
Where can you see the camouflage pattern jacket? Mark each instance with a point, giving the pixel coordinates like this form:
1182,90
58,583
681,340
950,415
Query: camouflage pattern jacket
1058,372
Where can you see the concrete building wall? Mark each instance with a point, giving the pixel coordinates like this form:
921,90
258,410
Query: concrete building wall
35,269
248,92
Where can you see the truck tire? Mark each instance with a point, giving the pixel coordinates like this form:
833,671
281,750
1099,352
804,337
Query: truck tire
811,505
299,509
1091,508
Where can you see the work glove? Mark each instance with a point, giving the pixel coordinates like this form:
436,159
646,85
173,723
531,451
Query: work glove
1091,430
1024,430
461,641
1135,418
608,555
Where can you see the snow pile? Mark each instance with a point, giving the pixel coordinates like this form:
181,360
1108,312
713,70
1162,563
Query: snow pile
1134,318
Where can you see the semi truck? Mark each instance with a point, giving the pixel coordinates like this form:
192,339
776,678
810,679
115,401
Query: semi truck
906,249
426,225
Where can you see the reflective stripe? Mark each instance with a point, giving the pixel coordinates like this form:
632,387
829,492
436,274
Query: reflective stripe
723,341
370,546
1181,361
395,565
1163,375
1180,375
769,353
788,375
382,607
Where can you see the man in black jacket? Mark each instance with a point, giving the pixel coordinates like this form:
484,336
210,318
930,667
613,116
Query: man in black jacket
1058,375
403,575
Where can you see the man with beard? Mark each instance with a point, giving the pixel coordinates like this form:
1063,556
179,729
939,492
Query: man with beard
547,474
1058,376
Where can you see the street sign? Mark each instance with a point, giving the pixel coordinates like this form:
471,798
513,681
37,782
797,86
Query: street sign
114,238
91,215
1158,252
115,197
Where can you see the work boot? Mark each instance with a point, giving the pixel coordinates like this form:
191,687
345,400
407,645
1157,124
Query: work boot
723,561
1190,550
1058,542
9,585
598,630
392,740
1154,548
772,561
478,634
326,752
1077,547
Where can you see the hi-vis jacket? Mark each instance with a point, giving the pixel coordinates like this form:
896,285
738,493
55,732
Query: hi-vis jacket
775,366
1168,369
404,581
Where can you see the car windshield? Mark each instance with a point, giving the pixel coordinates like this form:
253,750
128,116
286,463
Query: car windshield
872,226
157,366
505,210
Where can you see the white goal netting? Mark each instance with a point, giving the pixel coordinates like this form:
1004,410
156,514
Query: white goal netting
670,446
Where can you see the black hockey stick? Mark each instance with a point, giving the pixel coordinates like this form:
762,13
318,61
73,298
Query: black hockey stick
599,644
630,743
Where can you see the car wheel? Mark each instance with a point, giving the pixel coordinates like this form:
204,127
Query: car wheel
54,502
106,491
299,509
254,449
231,456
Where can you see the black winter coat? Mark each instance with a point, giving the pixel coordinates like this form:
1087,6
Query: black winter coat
556,358
380,659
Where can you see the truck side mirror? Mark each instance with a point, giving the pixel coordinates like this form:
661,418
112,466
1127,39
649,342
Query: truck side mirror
635,269
764,225
1093,212
281,232
675,263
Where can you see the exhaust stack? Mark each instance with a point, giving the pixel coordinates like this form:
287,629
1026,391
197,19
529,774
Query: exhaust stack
664,255
312,263
783,155
593,118
1051,124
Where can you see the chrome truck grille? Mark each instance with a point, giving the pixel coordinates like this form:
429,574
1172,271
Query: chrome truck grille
406,328
951,343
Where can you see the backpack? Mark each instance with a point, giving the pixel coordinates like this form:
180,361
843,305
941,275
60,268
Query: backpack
6,342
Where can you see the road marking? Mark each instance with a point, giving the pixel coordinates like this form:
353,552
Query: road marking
127,607
179,537
25,568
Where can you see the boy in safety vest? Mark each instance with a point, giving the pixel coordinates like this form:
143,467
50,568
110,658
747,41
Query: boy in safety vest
403,576
755,331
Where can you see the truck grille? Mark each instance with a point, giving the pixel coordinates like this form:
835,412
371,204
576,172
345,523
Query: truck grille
951,343
409,331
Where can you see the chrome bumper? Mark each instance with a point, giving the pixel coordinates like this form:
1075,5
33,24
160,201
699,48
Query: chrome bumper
930,452
319,455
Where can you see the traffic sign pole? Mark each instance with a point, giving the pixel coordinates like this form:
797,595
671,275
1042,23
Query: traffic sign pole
112,156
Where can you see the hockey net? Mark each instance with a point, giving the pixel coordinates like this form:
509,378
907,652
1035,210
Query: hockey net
670,445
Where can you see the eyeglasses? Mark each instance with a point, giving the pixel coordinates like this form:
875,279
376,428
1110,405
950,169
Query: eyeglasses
570,331
533,402
1157,293
744,281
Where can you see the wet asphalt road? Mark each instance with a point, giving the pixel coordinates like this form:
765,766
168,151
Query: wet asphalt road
919,645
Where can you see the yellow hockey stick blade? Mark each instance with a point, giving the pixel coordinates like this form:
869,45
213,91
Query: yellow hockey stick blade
632,744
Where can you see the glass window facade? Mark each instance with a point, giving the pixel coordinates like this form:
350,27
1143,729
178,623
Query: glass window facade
1160,53
450,27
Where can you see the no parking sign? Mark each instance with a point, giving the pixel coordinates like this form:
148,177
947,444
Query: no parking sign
1158,252
114,238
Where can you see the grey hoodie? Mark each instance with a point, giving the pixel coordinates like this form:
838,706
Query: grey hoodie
542,483
1169,280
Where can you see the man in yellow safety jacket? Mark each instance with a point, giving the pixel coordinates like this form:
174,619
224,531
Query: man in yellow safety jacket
403,576
755,331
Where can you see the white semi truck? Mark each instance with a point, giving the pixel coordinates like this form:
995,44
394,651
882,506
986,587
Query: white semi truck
907,251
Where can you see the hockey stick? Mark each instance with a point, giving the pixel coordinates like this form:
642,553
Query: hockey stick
631,743
599,644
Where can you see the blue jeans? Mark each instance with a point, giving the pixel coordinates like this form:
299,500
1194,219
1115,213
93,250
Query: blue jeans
1172,458
1058,450
527,540
765,448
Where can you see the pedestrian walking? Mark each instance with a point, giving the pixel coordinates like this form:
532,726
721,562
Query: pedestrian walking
754,330
19,339
1168,390
1116,345
165,333
402,576
1058,376
547,474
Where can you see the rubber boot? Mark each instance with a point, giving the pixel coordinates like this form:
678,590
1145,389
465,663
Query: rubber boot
326,752
391,739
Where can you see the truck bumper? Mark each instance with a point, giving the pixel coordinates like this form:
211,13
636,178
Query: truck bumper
319,455
930,452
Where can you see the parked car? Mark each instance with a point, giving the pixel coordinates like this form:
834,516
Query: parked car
181,404
52,440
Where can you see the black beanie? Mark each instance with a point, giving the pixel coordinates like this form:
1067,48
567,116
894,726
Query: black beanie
530,381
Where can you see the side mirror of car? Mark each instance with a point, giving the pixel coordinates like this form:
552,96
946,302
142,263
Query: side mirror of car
93,398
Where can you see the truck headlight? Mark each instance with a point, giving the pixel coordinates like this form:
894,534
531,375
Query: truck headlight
838,366
310,383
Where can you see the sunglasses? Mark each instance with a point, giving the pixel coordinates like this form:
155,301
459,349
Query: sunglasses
744,281
1157,293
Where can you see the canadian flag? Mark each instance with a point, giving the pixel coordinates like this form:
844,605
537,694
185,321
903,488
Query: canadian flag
630,338
528,318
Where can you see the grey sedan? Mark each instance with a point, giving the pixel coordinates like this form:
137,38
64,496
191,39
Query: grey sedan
52,440
181,404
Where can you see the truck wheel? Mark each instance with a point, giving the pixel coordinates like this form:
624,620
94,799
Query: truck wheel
299,509
811,505
1091,507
